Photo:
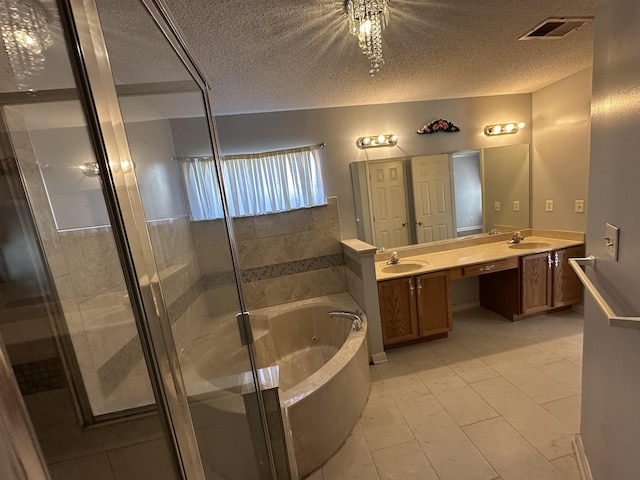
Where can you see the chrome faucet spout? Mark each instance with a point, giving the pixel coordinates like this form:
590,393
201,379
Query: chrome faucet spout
355,318
395,259
517,238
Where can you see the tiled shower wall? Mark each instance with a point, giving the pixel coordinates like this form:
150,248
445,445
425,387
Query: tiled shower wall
283,257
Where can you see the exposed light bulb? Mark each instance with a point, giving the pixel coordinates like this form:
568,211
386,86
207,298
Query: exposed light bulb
381,138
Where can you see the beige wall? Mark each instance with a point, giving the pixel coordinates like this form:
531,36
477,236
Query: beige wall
560,153
338,128
610,423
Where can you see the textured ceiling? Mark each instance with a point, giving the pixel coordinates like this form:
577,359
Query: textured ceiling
262,55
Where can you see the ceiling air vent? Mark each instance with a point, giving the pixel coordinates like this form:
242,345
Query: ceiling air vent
556,28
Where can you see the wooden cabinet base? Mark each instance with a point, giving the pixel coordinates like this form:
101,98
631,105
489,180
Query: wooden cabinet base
418,340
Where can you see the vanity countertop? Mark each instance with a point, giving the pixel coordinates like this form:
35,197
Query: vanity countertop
470,254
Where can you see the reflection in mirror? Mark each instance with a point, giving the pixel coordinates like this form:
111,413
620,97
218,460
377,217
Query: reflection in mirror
408,200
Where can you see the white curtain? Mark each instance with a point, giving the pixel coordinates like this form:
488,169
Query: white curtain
255,184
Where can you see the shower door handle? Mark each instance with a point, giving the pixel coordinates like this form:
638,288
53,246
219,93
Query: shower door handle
244,328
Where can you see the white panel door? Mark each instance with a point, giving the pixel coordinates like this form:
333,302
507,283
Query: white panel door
432,197
389,204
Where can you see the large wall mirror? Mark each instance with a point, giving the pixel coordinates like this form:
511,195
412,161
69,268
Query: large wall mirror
408,200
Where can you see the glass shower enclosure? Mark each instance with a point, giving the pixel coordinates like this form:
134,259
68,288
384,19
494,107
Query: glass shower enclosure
111,297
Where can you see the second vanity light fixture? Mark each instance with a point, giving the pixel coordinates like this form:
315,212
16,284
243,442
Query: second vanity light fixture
502,128
388,140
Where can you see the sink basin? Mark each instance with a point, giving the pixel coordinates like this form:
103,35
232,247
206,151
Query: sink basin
404,266
529,245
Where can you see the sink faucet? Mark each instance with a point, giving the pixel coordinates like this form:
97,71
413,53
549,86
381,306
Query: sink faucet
355,318
395,259
517,238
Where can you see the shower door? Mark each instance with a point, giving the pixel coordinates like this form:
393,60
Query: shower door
146,306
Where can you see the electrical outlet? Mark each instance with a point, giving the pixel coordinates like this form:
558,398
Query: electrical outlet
496,206
548,206
579,208
516,205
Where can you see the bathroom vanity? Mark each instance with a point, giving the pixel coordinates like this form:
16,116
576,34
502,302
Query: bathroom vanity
516,280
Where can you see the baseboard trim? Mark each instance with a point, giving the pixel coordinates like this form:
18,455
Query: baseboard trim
465,306
578,307
581,458
377,358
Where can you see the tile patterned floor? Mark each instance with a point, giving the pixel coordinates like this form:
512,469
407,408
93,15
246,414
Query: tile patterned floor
495,400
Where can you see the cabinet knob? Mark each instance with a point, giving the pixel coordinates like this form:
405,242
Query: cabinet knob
404,224
419,285
418,223
411,286
549,262
556,260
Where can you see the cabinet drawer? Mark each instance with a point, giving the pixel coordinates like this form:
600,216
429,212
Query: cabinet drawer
490,267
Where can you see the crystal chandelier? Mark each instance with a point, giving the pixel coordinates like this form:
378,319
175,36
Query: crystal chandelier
26,31
367,19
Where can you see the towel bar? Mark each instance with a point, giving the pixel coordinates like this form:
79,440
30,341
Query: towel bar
614,320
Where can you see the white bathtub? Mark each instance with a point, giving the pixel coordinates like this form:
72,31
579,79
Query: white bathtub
323,367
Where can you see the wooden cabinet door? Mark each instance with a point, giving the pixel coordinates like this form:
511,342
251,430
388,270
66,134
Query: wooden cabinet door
567,288
433,297
398,310
536,281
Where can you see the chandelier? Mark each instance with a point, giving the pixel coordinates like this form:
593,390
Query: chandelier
26,31
367,19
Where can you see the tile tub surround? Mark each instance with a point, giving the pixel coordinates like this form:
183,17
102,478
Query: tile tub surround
283,257
468,407
361,283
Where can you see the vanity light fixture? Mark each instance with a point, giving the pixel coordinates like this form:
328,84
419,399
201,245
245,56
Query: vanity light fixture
389,140
502,128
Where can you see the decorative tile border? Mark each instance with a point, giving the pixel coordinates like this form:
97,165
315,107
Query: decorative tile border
291,268
40,376
114,370
353,265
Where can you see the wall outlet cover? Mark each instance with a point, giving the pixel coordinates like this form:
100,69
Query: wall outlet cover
496,206
548,206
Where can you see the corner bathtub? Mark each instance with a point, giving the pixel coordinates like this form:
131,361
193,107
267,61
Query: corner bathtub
324,373
323,370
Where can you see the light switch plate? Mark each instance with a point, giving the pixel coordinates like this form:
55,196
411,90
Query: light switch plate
611,238
579,206
548,206
516,205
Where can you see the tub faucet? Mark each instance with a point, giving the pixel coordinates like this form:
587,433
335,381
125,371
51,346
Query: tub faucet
517,238
395,259
354,316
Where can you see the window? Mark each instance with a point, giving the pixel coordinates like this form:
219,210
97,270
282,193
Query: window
255,184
